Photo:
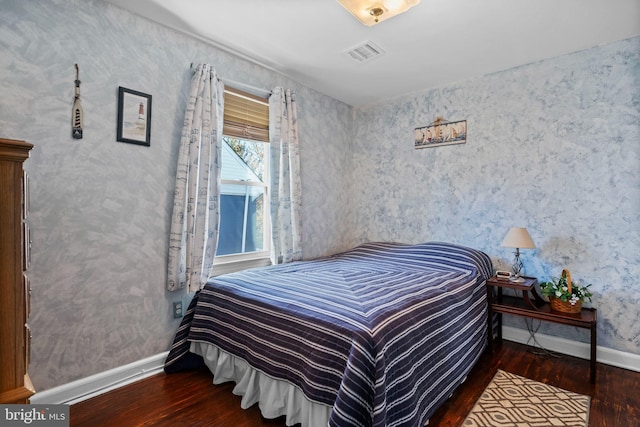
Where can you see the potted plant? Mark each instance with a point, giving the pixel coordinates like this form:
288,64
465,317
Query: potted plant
565,296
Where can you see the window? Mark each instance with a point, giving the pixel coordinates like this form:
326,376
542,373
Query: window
244,237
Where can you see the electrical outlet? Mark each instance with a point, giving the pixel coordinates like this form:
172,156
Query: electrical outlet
177,309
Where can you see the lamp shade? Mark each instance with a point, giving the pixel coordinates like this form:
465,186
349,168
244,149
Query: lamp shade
518,237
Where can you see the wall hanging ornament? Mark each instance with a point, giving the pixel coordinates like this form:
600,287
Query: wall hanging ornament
134,117
441,132
76,111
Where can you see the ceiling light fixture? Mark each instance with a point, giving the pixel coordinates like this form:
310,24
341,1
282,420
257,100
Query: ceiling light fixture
376,11
370,12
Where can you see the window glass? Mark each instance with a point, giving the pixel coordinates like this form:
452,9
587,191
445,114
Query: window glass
243,208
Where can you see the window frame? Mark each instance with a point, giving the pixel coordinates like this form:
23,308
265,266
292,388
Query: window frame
239,261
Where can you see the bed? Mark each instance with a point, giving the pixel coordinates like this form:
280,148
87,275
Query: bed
380,335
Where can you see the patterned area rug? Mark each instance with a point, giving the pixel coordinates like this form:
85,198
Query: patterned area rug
511,400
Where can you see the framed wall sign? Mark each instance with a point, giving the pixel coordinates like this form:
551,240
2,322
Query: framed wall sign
134,117
440,133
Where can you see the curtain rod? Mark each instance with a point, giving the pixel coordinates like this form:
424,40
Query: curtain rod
240,85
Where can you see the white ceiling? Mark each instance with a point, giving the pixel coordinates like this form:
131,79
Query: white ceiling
435,43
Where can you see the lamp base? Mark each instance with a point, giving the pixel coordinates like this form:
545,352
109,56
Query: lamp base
516,279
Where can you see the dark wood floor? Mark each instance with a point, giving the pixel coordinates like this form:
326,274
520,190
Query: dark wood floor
190,399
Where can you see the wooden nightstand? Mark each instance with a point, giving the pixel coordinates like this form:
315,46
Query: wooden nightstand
531,305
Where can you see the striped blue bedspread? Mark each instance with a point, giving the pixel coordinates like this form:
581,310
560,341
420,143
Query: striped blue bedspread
384,332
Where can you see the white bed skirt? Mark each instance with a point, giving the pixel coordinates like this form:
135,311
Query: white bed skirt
274,397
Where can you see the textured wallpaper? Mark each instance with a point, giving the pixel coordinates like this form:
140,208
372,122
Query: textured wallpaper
100,209
552,146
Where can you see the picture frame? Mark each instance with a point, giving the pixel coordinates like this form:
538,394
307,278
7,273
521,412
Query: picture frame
134,117
440,133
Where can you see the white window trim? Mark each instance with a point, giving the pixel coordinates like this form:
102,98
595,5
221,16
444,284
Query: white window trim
224,264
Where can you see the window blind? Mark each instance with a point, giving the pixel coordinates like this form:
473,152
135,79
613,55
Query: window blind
246,116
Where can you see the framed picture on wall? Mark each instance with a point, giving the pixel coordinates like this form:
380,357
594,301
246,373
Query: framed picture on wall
440,133
134,117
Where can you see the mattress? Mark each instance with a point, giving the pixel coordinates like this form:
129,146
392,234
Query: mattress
381,334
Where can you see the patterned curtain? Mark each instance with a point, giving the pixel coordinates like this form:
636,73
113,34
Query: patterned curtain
196,213
285,177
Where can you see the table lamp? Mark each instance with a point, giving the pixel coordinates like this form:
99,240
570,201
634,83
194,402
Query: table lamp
518,238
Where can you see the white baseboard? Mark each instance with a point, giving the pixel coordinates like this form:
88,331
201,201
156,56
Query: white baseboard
94,385
86,388
605,355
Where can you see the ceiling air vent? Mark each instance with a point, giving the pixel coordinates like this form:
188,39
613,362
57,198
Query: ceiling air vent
365,52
